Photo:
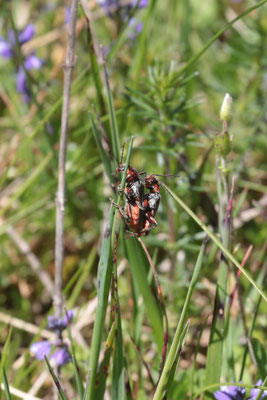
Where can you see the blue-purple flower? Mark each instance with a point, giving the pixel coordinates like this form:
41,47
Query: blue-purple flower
8,51
61,353
230,393
239,393
114,6
41,349
59,324
254,392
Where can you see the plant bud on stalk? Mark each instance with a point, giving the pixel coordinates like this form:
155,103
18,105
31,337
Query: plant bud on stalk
226,108
222,144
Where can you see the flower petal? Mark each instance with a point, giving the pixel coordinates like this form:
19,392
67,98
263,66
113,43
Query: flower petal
142,4
22,86
33,62
62,356
27,34
5,48
58,324
254,392
39,349
221,395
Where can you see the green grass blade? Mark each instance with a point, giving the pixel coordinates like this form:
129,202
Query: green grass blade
115,137
75,365
56,381
260,353
103,369
6,385
85,396
259,397
118,387
177,340
216,240
95,69
218,331
103,154
103,285
195,355
3,358
250,332
137,262
177,355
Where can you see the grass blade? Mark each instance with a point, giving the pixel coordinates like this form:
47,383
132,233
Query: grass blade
56,381
6,385
103,369
103,284
118,387
164,381
76,370
103,154
135,254
177,355
115,137
3,358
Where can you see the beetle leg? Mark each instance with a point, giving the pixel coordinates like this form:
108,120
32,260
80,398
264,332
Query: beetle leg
124,215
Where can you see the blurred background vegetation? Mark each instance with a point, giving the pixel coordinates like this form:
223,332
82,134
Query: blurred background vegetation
174,119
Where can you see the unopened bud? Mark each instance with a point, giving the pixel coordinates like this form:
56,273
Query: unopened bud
226,144
222,144
226,107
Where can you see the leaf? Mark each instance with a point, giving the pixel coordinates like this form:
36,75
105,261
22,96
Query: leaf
178,340
103,369
56,381
137,265
103,155
118,386
261,357
3,359
75,365
103,286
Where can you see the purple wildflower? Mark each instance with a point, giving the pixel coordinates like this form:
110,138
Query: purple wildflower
230,393
124,11
62,355
22,86
254,392
33,62
5,48
142,3
8,50
23,37
136,26
59,324
41,349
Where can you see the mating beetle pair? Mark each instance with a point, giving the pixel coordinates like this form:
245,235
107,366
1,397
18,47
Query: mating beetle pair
141,208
